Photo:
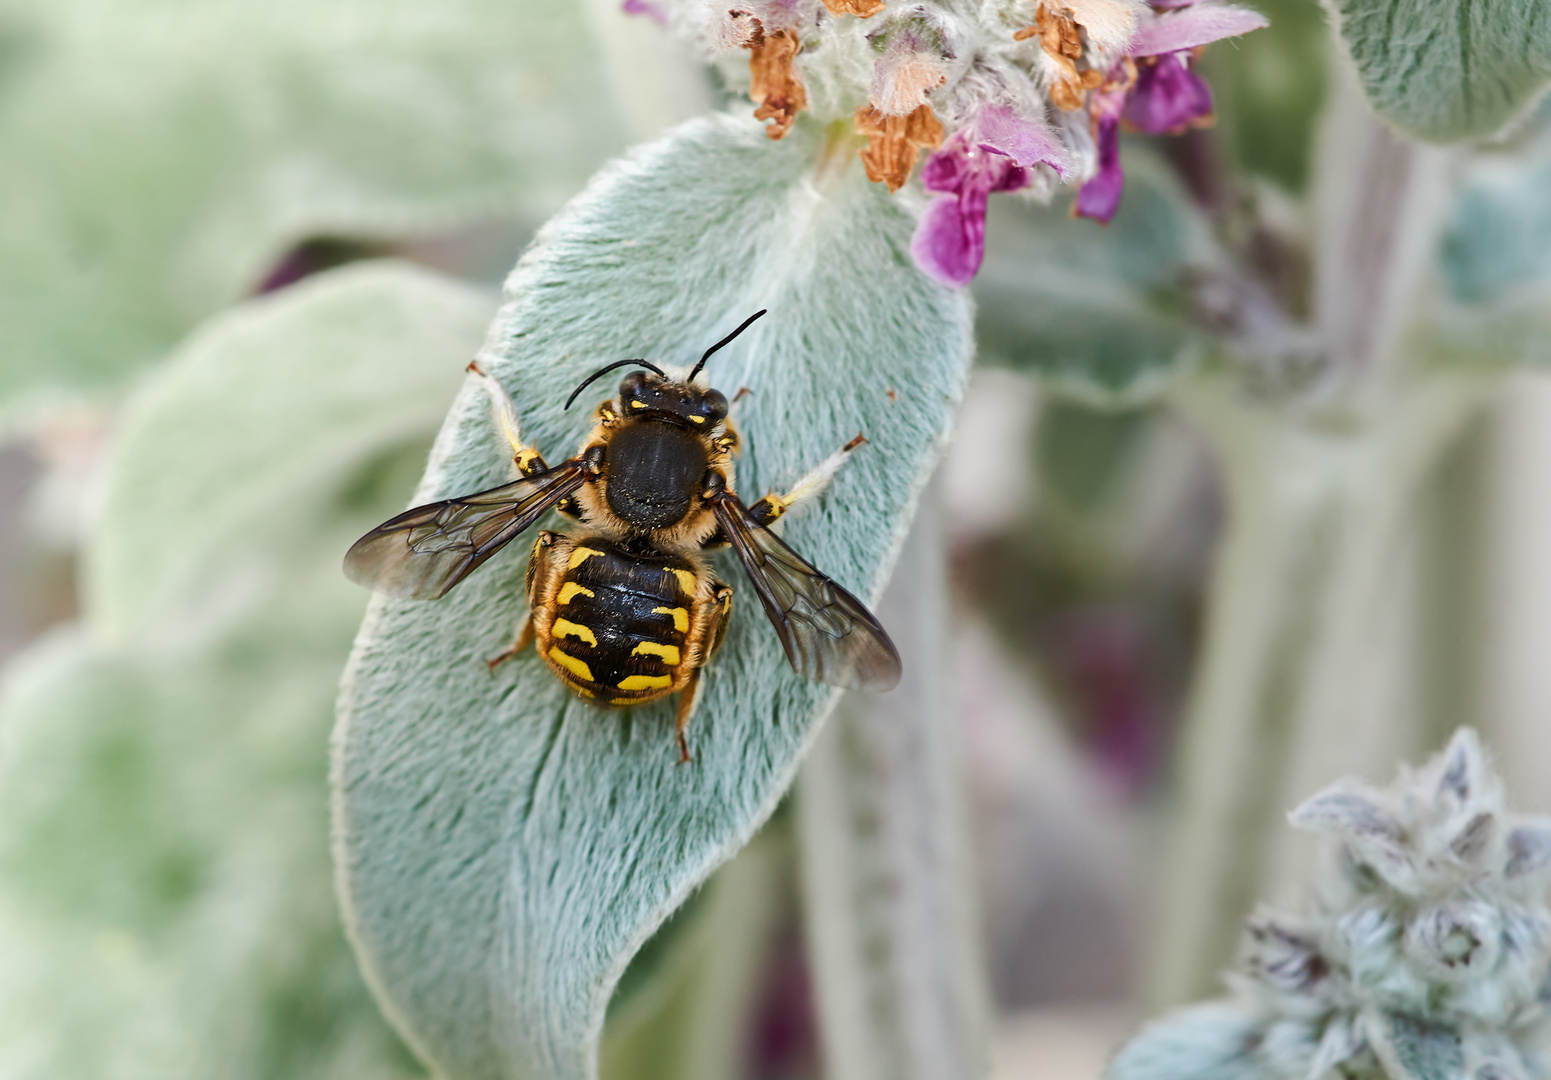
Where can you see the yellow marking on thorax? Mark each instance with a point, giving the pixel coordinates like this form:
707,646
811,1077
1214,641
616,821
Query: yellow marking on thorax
567,628
569,590
580,555
669,653
697,419
638,404
576,667
680,617
645,682
686,579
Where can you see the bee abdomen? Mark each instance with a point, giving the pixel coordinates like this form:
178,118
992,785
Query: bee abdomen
621,624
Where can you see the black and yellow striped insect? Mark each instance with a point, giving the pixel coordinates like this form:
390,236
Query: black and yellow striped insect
625,609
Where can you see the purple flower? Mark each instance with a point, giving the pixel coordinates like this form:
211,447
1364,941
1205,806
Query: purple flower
997,152
649,8
1099,198
1154,90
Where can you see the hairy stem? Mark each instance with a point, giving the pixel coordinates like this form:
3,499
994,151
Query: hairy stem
1307,655
889,916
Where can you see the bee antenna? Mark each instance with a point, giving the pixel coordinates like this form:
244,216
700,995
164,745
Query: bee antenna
604,370
744,326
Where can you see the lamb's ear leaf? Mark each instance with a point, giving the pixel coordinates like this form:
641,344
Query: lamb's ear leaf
1498,236
160,162
1213,1041
503,847
1445,71
164,870
1412,1050
690,996
164,867
255,424
1095,311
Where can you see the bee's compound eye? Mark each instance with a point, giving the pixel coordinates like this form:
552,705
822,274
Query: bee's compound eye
714,404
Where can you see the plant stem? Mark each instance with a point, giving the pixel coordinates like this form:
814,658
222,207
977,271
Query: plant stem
890,918
1308,656
1306,659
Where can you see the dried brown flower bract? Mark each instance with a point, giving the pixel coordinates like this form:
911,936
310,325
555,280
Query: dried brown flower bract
1061,37
901,83
773,79
895,142
862,9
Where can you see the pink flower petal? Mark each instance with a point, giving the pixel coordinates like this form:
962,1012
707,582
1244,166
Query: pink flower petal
1168,97
1099,198
1027,142
950,244
648,8
1199,24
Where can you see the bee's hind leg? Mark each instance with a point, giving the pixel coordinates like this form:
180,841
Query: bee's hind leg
524,639
686,707
772,506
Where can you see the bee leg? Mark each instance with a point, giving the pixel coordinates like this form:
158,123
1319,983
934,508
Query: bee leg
524,639
528,460
686,707
767,510
721,593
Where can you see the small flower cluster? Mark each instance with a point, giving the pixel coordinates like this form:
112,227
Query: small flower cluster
1007,95
1430,956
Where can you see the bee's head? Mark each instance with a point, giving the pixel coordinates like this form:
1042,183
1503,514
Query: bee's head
654,396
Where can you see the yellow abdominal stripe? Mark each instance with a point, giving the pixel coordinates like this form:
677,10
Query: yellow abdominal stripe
581,555
686,579
572,664
645,682
680,617
669,653
571,590
567,628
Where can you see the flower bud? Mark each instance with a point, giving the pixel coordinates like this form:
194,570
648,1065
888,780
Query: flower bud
1455,940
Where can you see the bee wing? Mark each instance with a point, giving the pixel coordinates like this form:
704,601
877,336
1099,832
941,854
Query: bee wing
424,552
829,635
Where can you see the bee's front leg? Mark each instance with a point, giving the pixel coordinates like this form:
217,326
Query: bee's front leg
528,461
767,510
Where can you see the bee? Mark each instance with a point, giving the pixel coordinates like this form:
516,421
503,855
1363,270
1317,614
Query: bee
624,607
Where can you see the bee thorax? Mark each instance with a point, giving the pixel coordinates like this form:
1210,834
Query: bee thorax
654,474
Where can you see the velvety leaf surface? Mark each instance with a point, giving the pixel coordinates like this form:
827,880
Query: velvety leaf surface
1498,239
1093,309
504,848
162,155
166,899
1445,70
1411,1050
253,427
1214,1041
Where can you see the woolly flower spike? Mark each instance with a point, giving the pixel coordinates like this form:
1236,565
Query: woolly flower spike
915,75
1430,957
